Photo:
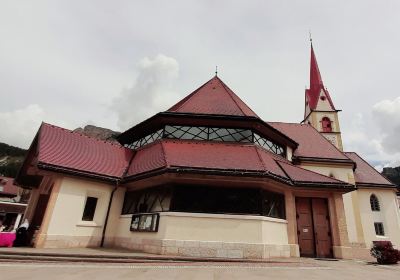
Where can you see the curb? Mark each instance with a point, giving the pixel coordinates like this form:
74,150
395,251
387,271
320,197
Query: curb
122,258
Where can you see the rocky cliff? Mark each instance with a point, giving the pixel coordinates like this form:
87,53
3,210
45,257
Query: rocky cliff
98,132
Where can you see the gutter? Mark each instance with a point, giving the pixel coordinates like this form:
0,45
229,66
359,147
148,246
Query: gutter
103,234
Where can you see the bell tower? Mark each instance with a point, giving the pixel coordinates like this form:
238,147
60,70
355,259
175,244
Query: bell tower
320,111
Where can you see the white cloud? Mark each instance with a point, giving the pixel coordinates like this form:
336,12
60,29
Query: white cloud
19,126
151,93
387,115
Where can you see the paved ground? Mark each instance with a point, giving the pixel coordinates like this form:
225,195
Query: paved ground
295,269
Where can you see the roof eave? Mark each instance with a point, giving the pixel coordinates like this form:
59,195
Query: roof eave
76,172
374,185
325,160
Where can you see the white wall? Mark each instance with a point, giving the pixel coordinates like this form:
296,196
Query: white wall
389,215
66,219
212,227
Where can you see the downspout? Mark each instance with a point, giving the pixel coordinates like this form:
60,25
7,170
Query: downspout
103,235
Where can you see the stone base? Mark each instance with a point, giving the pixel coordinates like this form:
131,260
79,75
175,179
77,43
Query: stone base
65,241
353,251
207,249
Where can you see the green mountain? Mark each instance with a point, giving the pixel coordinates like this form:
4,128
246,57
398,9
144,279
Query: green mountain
393,174
11,159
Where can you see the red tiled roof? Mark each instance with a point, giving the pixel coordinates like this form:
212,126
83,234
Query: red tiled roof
220,156
214,97
62,148
316,84
311,142
197,154
300,175
365,173
7,184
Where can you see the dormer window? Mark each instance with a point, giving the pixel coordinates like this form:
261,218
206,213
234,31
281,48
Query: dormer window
326,124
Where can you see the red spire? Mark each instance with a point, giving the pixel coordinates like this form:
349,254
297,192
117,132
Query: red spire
315,75
316,84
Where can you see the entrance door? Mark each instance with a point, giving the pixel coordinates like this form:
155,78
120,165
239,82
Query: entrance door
313,228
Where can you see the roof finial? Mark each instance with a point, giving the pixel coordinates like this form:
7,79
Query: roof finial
309,33
216,71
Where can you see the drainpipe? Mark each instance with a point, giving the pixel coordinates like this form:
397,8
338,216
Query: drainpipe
103,235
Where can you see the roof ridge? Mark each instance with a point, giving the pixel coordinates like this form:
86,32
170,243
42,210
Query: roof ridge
226,88
83,135
291,123
232,94
260,158
186,99
278,162
164,154
342,152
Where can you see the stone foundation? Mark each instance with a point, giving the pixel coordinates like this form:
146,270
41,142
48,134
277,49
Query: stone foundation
206,249
65,241
353,251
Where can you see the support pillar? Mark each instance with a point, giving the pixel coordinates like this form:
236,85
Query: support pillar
290,207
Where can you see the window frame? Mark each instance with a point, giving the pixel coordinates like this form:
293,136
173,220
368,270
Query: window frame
92,215
379,229
374,203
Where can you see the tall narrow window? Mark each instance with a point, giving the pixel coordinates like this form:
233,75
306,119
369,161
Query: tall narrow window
373,200
326,124
379,229
90,208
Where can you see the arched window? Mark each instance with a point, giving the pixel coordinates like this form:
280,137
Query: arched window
326,124
374,203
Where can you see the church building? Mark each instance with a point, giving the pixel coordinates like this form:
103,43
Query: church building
209,178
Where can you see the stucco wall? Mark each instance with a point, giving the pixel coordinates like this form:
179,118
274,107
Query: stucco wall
212,227
66,221
389,215
343,173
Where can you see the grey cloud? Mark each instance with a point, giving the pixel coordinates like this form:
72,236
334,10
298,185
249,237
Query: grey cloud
387,115
151,92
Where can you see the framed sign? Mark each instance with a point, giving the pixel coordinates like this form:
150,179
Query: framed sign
145,222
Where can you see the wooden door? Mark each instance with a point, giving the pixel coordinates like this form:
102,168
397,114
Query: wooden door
305,227
323,240
313,228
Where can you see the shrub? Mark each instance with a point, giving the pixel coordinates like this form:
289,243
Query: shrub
384,252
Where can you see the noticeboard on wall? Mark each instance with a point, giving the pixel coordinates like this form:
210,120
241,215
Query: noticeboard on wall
145,222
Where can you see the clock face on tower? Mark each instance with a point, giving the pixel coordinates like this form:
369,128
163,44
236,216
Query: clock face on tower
331,138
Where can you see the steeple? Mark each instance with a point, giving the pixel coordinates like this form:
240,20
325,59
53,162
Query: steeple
319,109
315,75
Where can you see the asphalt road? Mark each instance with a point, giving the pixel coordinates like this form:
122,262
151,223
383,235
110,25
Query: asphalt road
307,269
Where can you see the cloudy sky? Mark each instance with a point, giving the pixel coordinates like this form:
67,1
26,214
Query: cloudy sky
114,63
